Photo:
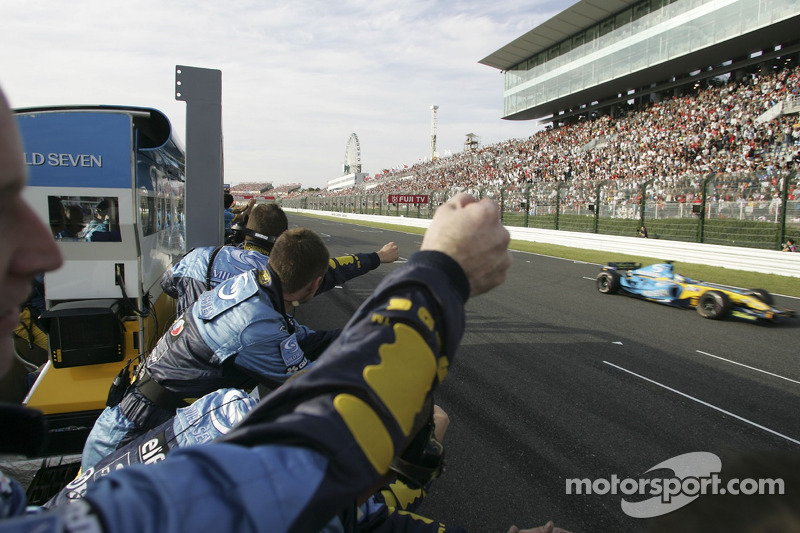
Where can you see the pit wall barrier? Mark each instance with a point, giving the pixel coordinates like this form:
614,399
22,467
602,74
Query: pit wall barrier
736,258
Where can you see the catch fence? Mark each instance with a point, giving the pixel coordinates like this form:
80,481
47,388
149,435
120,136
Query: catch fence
736,209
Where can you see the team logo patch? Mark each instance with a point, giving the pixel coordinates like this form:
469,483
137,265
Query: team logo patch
293,356
230,290
153,450
177,328
231,411
264,277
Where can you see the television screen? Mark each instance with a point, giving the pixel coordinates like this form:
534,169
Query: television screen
84,333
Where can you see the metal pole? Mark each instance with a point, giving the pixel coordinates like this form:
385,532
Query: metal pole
703,201
784,206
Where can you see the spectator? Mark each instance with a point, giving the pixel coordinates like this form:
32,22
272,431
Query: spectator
789,246
671,142
234,215
643,232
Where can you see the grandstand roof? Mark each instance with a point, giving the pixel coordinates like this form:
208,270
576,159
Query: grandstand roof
575,18
673,73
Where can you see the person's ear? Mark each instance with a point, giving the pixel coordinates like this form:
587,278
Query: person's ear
315,285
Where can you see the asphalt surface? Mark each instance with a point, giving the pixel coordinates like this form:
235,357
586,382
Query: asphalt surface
555,381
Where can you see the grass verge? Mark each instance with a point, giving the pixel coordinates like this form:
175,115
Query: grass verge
785,285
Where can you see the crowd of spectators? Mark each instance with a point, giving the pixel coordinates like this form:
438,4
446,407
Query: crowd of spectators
249,187
263,188
673,144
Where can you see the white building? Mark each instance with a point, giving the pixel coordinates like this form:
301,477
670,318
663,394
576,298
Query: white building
595,56
348,180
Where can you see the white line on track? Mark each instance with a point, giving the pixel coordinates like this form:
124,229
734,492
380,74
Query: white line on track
704,403
746,366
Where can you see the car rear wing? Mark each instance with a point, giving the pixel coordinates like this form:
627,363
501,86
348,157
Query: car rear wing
624,265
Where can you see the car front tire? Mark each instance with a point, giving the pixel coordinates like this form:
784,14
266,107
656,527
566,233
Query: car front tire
713,305
761,294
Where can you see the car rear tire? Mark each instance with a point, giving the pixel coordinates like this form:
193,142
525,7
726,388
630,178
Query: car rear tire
713,305
608,282
761,294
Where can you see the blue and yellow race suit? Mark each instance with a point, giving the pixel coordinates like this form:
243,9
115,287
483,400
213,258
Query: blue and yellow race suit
389,510
312,447
191,276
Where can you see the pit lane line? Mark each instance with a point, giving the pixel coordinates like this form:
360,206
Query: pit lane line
764,428
747,366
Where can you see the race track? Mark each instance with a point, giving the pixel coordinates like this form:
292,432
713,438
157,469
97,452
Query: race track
555,381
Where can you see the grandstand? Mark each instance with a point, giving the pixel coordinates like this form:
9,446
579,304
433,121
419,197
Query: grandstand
251,187
262,190
596,57
712,130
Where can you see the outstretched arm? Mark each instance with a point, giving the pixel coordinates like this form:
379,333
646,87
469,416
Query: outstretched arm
346,267
242,212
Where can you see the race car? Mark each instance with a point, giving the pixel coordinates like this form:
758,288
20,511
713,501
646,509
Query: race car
660,283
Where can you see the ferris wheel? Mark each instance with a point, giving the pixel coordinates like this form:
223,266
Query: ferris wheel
352,156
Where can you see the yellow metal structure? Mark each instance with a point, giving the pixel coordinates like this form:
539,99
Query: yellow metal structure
85,388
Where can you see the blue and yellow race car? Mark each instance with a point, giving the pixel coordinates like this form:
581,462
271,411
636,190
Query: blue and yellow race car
660,283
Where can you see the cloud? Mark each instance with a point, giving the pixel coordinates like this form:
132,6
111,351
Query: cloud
298,76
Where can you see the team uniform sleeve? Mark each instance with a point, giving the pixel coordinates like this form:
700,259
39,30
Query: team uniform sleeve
314,446
393,510
269,352
315,342
346,267
185,280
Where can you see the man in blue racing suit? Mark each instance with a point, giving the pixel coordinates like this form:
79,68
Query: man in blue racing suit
204,268
238,335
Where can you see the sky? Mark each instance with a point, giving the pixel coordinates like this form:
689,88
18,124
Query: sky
298,77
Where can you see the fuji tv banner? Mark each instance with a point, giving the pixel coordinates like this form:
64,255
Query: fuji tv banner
408,198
